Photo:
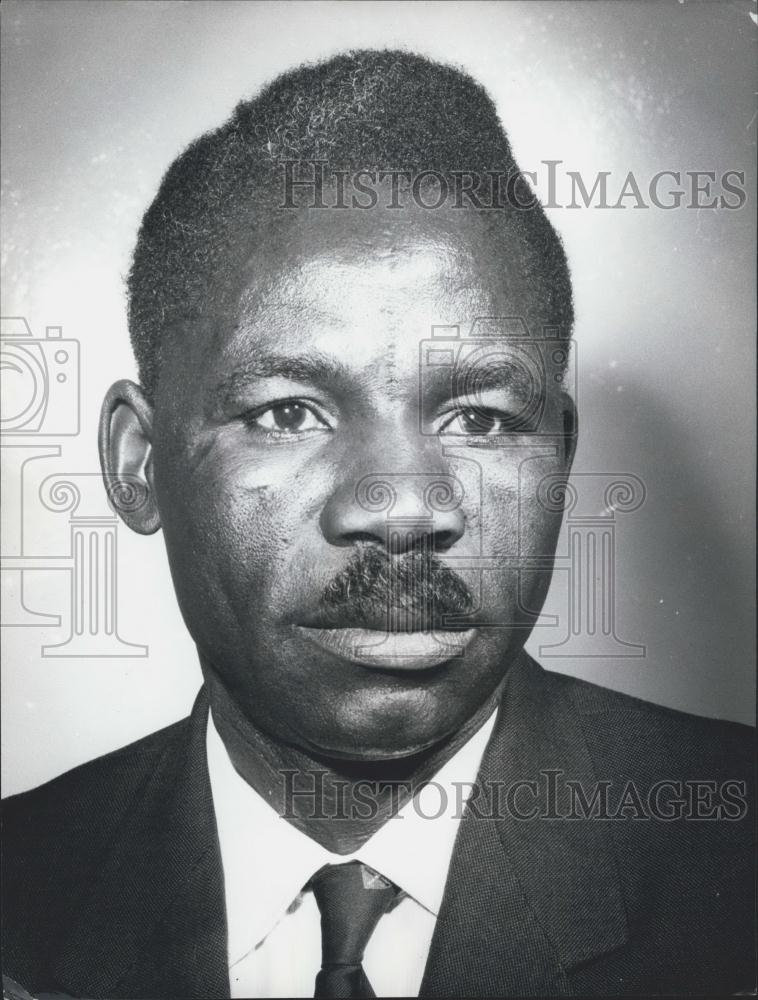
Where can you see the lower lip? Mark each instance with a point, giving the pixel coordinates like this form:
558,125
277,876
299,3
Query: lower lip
391,650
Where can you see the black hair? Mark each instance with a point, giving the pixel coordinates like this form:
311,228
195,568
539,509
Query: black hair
361,110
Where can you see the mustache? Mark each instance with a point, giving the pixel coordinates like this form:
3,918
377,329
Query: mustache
412,592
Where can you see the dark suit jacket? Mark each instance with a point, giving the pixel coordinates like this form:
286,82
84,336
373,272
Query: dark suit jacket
113,881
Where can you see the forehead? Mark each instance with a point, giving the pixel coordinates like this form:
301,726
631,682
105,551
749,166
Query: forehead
360,287
361,291
358,307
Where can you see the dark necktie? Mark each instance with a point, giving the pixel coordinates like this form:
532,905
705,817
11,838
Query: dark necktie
351,898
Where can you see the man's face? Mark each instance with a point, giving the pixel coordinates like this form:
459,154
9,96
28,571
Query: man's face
330,505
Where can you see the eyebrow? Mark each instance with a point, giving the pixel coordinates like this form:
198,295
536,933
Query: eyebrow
314,367
323,369
499,374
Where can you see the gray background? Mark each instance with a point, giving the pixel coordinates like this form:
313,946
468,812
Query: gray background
99,97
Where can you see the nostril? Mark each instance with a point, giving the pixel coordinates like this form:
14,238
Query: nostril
443,540
401,540
399,520
360,537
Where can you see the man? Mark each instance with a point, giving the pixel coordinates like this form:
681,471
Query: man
360,519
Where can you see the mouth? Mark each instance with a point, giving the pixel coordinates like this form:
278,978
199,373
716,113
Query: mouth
382,649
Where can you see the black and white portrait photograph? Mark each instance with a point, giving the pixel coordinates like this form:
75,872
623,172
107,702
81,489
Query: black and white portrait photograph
378,498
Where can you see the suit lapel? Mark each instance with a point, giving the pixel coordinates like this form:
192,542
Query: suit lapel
155,925
527,900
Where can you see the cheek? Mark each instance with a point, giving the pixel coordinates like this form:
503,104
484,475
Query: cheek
540,509
505,508
233,530
512,529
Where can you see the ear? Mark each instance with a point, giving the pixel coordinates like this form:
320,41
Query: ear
570,429
126,456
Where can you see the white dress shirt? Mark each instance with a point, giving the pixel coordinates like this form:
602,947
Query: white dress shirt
274,926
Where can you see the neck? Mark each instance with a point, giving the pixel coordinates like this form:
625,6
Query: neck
338,803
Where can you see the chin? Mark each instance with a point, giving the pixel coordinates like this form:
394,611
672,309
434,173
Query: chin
368,753
386,727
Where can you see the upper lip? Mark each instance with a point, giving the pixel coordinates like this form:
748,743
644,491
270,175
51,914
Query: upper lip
396,620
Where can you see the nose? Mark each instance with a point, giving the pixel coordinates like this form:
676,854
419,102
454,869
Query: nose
400,511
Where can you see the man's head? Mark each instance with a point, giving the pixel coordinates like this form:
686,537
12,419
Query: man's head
353,516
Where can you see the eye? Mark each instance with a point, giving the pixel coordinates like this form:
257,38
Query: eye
288,418
479,422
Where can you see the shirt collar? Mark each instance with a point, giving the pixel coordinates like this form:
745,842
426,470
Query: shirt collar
266,861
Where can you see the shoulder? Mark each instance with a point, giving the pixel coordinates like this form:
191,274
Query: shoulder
675,795
677,790
58,833
58,837
105,784
641,734
85,845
